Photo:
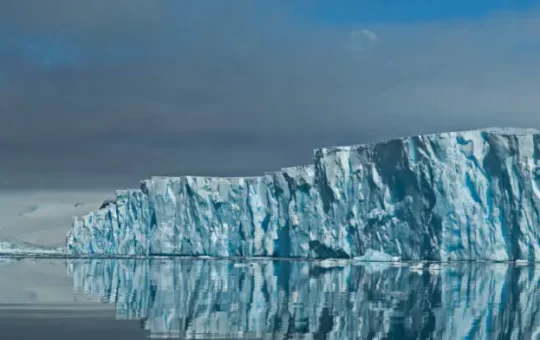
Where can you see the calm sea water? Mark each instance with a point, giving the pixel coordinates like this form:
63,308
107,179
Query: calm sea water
218,299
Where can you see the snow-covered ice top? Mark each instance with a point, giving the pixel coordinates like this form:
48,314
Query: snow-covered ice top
466,195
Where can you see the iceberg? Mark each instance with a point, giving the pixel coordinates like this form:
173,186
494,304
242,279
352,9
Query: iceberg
456,196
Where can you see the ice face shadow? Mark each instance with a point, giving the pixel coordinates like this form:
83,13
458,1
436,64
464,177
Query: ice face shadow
295,299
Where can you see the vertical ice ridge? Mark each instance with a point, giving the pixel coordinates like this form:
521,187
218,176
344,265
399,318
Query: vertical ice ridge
451,196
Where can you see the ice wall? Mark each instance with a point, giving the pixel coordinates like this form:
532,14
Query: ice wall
470,195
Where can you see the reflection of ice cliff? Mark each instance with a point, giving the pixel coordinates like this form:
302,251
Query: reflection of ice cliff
278,299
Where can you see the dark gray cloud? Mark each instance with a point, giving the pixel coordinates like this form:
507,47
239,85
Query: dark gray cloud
105,93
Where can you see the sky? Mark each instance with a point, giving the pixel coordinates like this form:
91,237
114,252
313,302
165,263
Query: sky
101,94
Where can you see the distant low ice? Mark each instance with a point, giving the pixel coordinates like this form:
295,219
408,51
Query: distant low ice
36,222
13,247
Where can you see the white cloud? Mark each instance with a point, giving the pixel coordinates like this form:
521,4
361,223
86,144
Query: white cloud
370,35
362,39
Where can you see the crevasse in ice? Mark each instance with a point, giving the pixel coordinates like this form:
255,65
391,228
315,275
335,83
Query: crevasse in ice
470,195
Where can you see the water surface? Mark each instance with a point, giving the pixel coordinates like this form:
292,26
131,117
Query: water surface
188,299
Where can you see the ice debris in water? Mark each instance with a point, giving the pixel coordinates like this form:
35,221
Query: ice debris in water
375,256
469,195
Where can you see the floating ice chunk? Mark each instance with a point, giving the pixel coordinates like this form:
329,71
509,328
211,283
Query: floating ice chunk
374,256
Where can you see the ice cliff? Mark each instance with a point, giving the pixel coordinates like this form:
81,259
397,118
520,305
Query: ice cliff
470,195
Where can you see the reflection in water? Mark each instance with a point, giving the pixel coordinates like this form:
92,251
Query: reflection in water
293,299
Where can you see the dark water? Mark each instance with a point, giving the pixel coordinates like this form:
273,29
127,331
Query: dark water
282,300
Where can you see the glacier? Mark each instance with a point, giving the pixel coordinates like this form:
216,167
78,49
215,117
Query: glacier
455,196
